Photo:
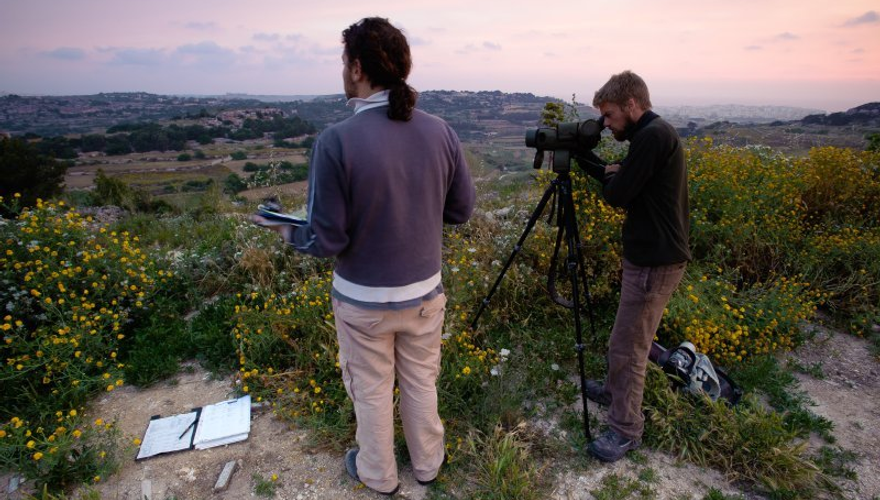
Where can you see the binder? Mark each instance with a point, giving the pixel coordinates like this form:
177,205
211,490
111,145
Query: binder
218,424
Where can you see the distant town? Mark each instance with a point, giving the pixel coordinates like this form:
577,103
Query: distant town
478,117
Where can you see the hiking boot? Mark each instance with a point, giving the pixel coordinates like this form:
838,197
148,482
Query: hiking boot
350,462
611,446
431,481
596,392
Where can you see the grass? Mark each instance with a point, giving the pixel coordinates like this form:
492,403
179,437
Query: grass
616,487
767,376
265,487
240,303
502,466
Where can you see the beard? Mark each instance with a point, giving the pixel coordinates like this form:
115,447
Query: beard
349,89
622,135
349,86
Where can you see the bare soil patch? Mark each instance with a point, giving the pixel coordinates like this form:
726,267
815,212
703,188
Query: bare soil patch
286,190
848,395
273,447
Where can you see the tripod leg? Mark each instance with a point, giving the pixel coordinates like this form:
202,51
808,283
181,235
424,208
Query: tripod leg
589,299
554,259
536,214
569,225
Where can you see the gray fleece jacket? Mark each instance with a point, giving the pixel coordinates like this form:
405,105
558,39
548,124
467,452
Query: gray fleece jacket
379,193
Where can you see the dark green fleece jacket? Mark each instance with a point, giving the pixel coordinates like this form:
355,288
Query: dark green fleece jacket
651,186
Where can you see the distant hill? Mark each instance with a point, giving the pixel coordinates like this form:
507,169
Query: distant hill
736,113
260,97
472,114
476,116
850,129
864,115
59,115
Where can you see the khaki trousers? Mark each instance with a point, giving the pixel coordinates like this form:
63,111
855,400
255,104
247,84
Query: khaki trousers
644,293
374,345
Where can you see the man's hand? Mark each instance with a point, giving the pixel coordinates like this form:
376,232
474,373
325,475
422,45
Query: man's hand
610,170
285,230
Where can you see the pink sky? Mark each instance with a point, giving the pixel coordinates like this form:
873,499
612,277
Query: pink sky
811,53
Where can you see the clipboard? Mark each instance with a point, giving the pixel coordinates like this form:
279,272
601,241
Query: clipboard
169,434
213,425
275,218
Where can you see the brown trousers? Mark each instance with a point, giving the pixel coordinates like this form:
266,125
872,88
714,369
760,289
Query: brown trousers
374,345
644,293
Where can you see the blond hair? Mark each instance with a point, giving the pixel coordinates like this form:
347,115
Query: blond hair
620,88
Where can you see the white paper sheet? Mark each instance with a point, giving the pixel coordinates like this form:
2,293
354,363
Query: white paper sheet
168,434
223,423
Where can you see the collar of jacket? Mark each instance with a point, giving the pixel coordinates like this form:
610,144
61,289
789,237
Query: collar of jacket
647,117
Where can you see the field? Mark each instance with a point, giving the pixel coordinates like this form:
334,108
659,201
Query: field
112,319
161,172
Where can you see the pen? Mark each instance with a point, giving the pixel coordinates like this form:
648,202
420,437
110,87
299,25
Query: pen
188,427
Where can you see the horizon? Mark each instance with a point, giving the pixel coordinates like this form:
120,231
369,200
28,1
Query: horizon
293,97
807,54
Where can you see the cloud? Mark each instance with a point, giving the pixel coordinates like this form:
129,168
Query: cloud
870,17
784,37
266,37
539,34
204,55
66,54
207,48
200,26
471,48
138,57
754,47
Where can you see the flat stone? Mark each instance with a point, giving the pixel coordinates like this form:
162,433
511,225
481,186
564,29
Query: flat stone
146,490
225,476
14,483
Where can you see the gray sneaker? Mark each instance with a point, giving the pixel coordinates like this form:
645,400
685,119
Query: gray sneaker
611,446
350,462
596,392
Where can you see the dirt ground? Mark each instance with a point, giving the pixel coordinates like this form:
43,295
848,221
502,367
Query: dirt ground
848,394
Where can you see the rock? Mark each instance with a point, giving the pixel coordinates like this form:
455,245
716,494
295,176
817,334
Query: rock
502,213
14,483
146,489
225,476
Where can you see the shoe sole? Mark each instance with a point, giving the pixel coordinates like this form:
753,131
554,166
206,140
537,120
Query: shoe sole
611,458
351,468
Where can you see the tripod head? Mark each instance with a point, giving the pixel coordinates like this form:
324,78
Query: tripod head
564,140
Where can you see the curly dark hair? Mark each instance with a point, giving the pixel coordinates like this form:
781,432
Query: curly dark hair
384,55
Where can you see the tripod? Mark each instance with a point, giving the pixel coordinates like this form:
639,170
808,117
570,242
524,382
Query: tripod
560,191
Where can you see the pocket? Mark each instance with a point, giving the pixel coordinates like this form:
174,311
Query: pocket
433,307
664,280
363,320
346,379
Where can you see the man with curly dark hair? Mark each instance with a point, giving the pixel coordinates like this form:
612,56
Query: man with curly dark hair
382,184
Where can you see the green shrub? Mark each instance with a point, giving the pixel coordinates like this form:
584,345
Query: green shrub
746,442
71,289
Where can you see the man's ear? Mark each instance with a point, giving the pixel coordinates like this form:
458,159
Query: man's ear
357,73
631,108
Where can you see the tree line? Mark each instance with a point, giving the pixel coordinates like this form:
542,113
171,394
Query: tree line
142,137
